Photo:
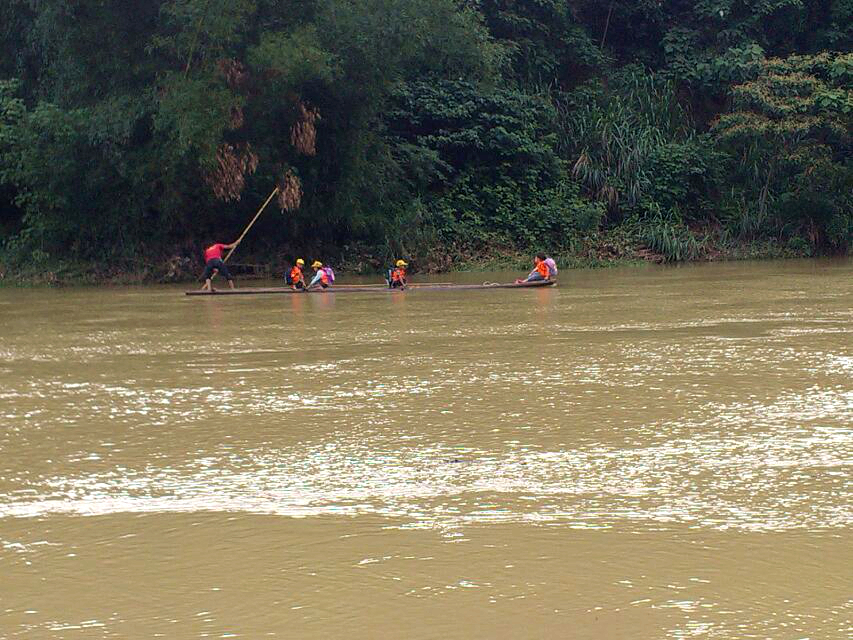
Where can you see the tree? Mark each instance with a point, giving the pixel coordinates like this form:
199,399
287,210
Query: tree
633,147
789,137
486,165
548,46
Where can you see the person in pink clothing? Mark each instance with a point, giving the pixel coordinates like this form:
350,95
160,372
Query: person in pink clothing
213,262
552,267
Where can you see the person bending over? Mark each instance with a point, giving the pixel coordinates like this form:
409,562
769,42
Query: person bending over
321,277
213,263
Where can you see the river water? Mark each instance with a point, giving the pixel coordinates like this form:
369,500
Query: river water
639,453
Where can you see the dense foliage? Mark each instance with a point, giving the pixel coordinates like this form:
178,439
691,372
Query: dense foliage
433,128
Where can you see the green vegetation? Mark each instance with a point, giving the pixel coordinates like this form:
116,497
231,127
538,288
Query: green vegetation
450,131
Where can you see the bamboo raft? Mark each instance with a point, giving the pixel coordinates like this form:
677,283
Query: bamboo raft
370,289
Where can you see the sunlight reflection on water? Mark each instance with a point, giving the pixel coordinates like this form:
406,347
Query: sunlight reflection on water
620,430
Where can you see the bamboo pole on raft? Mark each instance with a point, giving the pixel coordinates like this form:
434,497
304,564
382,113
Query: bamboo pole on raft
408,286
249,226
246,230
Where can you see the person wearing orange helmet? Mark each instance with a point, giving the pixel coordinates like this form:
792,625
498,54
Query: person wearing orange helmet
322,276
296,279
398,275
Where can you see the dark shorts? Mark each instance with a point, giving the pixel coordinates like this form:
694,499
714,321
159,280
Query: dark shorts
216,264
398,284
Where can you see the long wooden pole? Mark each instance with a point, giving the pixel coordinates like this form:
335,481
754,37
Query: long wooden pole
195,37
382,284
606,25
246,230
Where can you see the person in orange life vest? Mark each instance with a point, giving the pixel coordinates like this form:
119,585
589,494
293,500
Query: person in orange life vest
540,270
213,263
398,275
320,278
296,279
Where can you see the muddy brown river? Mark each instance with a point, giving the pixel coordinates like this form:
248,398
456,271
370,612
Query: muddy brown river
642,453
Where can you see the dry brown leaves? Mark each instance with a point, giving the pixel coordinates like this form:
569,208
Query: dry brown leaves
235,119
289,192
609,195
233,71
228,178
303,134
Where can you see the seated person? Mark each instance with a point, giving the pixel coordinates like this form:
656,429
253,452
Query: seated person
540,272
321,276
398,275
296,279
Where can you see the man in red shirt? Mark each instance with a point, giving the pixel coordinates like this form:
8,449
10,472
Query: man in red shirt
213,263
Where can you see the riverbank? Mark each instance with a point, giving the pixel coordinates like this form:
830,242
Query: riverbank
602,250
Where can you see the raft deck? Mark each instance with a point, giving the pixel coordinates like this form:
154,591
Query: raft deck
368,289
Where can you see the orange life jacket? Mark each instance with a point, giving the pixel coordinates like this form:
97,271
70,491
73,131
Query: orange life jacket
296,275
324,278
398,275
543,269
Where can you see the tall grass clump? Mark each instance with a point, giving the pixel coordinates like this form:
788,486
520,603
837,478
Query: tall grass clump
667,236
632,146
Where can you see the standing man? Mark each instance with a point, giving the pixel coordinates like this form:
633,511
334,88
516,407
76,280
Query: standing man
213,263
